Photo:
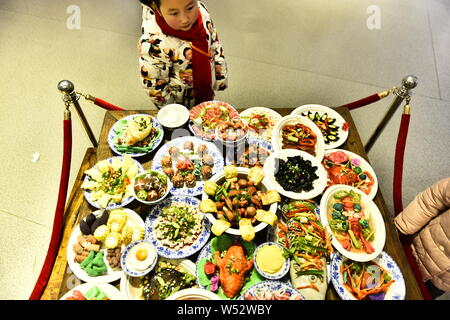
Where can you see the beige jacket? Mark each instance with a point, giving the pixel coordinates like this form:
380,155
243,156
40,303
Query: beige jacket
428,218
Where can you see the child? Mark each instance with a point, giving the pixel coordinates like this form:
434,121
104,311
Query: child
181,59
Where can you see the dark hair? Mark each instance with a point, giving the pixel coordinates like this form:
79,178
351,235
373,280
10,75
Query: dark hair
151,3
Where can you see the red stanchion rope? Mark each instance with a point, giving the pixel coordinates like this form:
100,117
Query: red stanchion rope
398,203
106,105
363,102
59,215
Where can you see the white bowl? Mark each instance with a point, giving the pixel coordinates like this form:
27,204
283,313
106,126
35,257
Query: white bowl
376,219
272,276
263,186
129,270
168,187
173,115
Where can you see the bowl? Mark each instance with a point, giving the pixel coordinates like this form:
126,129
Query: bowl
280,273
242,173
127,256
194,294
232,132
146,184
173,116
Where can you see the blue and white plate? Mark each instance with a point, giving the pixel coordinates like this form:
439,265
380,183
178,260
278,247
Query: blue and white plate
396,291
165,251
272,276
130,271
233,155
179,142
111,205
276,289
112,135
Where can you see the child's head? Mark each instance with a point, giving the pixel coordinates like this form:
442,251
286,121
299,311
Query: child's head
178,14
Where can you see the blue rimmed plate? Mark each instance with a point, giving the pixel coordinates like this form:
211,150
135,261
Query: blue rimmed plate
272,276
128,269
271,290
165,251
113,132
126,199
396,291
212,150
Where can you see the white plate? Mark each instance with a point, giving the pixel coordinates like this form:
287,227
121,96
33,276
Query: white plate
263,186
274,287
133,219
270,113
131,288
194,294
397,290
272,276
277,141
234,156
178,142
320,109
129,270
318,185
112,292
364,165
110,206
112,135
376,219
184,252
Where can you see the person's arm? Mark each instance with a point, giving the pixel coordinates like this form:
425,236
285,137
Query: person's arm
220,63
425,206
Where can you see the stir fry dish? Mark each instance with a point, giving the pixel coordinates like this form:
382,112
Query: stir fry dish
306,241
300,137
326,124
365,280
178,225
295,174
341,169
350,222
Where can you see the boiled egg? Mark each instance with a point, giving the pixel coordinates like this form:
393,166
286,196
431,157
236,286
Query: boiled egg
141,256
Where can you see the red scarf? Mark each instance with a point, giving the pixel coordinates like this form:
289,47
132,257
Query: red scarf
201,66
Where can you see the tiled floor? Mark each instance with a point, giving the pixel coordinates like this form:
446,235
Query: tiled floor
280,54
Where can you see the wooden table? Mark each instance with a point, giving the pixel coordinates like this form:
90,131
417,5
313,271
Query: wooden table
77,208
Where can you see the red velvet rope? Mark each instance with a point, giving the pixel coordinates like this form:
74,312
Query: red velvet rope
362,102
106,105
59,215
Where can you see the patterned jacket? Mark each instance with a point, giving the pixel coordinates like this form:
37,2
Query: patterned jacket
165,61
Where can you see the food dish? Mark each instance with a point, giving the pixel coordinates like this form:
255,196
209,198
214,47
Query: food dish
261,121
298,133
394,291
271,290
345,167
140,145
253,152
183,237
206,116
137,261
188,156
194,294
147,287
133,225
355,222
332,125
151,187
173,115
104,291
116,172
232,132
270,262
317,176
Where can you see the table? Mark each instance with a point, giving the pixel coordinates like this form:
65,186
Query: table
77,208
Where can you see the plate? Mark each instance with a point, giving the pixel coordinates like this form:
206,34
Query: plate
131,288
206,130
112,292
133,219
235,157
277,144
112,135
272,276
318,185
194,294
110,206
130,271
321,110
377,223
278,289
271,114
184,252
360,162
179,142
397,290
